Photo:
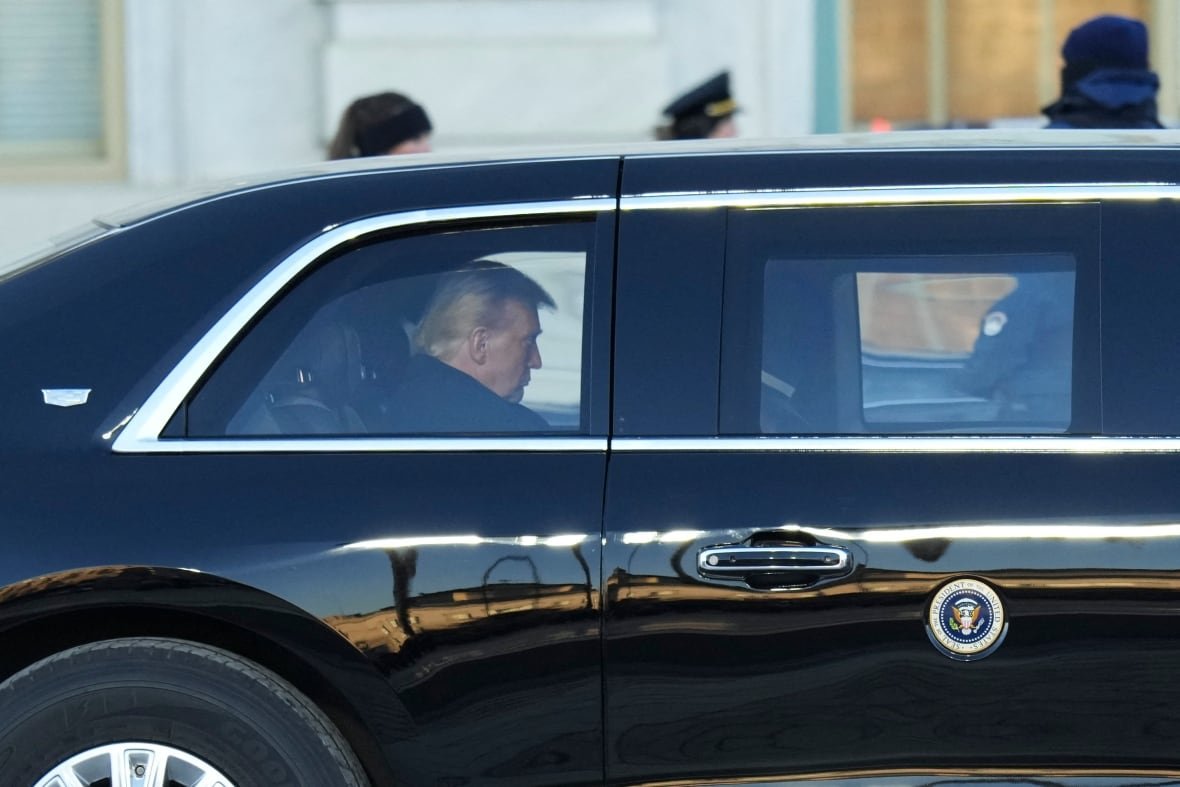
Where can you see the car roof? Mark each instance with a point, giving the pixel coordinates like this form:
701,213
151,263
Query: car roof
944,140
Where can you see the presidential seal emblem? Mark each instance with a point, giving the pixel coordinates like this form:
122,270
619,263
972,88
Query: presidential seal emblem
966,620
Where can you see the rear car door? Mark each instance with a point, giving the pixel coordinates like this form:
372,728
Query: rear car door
888,536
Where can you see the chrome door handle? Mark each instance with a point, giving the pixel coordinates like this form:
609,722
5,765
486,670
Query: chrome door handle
735,562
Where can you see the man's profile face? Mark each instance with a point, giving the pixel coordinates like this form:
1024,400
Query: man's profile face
512,351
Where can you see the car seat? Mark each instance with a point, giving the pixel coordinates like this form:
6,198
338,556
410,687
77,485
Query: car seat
317,380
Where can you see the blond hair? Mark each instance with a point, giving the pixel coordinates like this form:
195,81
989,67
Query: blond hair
469,298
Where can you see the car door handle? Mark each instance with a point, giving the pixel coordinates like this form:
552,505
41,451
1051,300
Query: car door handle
735,562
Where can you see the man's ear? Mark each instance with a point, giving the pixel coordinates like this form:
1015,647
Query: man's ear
477,345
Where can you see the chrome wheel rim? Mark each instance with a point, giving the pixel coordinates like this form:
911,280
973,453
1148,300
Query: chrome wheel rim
134,765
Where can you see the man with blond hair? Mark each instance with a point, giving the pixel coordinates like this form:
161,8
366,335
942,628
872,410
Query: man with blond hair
476,347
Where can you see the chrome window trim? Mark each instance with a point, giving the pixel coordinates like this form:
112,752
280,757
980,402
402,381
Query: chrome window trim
905,195
378,444
142,431
906,444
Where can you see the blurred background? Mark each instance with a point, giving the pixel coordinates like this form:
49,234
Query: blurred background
110,103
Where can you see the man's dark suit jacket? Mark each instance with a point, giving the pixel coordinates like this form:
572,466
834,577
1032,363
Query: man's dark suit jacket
436,398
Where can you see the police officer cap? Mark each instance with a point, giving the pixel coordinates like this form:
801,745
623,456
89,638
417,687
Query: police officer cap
711,98
1108,40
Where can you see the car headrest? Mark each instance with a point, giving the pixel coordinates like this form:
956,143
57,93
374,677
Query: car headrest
325,362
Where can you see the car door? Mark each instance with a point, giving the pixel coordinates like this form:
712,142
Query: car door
886,537
460,558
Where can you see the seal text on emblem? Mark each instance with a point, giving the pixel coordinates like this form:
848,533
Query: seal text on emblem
966,619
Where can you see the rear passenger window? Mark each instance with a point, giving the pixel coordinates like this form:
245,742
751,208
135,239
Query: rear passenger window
471,332
863,340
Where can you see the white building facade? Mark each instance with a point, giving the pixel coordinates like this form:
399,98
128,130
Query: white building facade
109,103
195,91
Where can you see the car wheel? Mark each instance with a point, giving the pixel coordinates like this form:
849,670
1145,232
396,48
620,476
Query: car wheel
164,712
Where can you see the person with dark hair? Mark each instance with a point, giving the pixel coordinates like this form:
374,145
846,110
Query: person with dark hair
381,125
706,111
476,348
1106,81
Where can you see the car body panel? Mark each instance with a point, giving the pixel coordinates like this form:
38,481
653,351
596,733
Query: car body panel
708,677
710,680
438,616
532,610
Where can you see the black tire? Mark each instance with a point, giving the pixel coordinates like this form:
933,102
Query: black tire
245,721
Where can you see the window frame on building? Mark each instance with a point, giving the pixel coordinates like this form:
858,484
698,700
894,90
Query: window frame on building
23,163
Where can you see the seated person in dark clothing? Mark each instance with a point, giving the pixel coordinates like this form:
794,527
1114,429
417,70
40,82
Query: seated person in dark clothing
476,347
1023,355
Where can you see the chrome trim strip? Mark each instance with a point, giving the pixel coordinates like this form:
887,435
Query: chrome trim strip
905,195
899,444
141,435
392,445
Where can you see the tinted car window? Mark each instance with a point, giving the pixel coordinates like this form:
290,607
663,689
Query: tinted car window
862,339
988,344
376,341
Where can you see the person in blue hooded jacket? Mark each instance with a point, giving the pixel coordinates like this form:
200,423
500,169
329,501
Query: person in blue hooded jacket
1023,355
1106,81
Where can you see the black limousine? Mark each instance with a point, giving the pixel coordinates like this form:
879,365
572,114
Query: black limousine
841,460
